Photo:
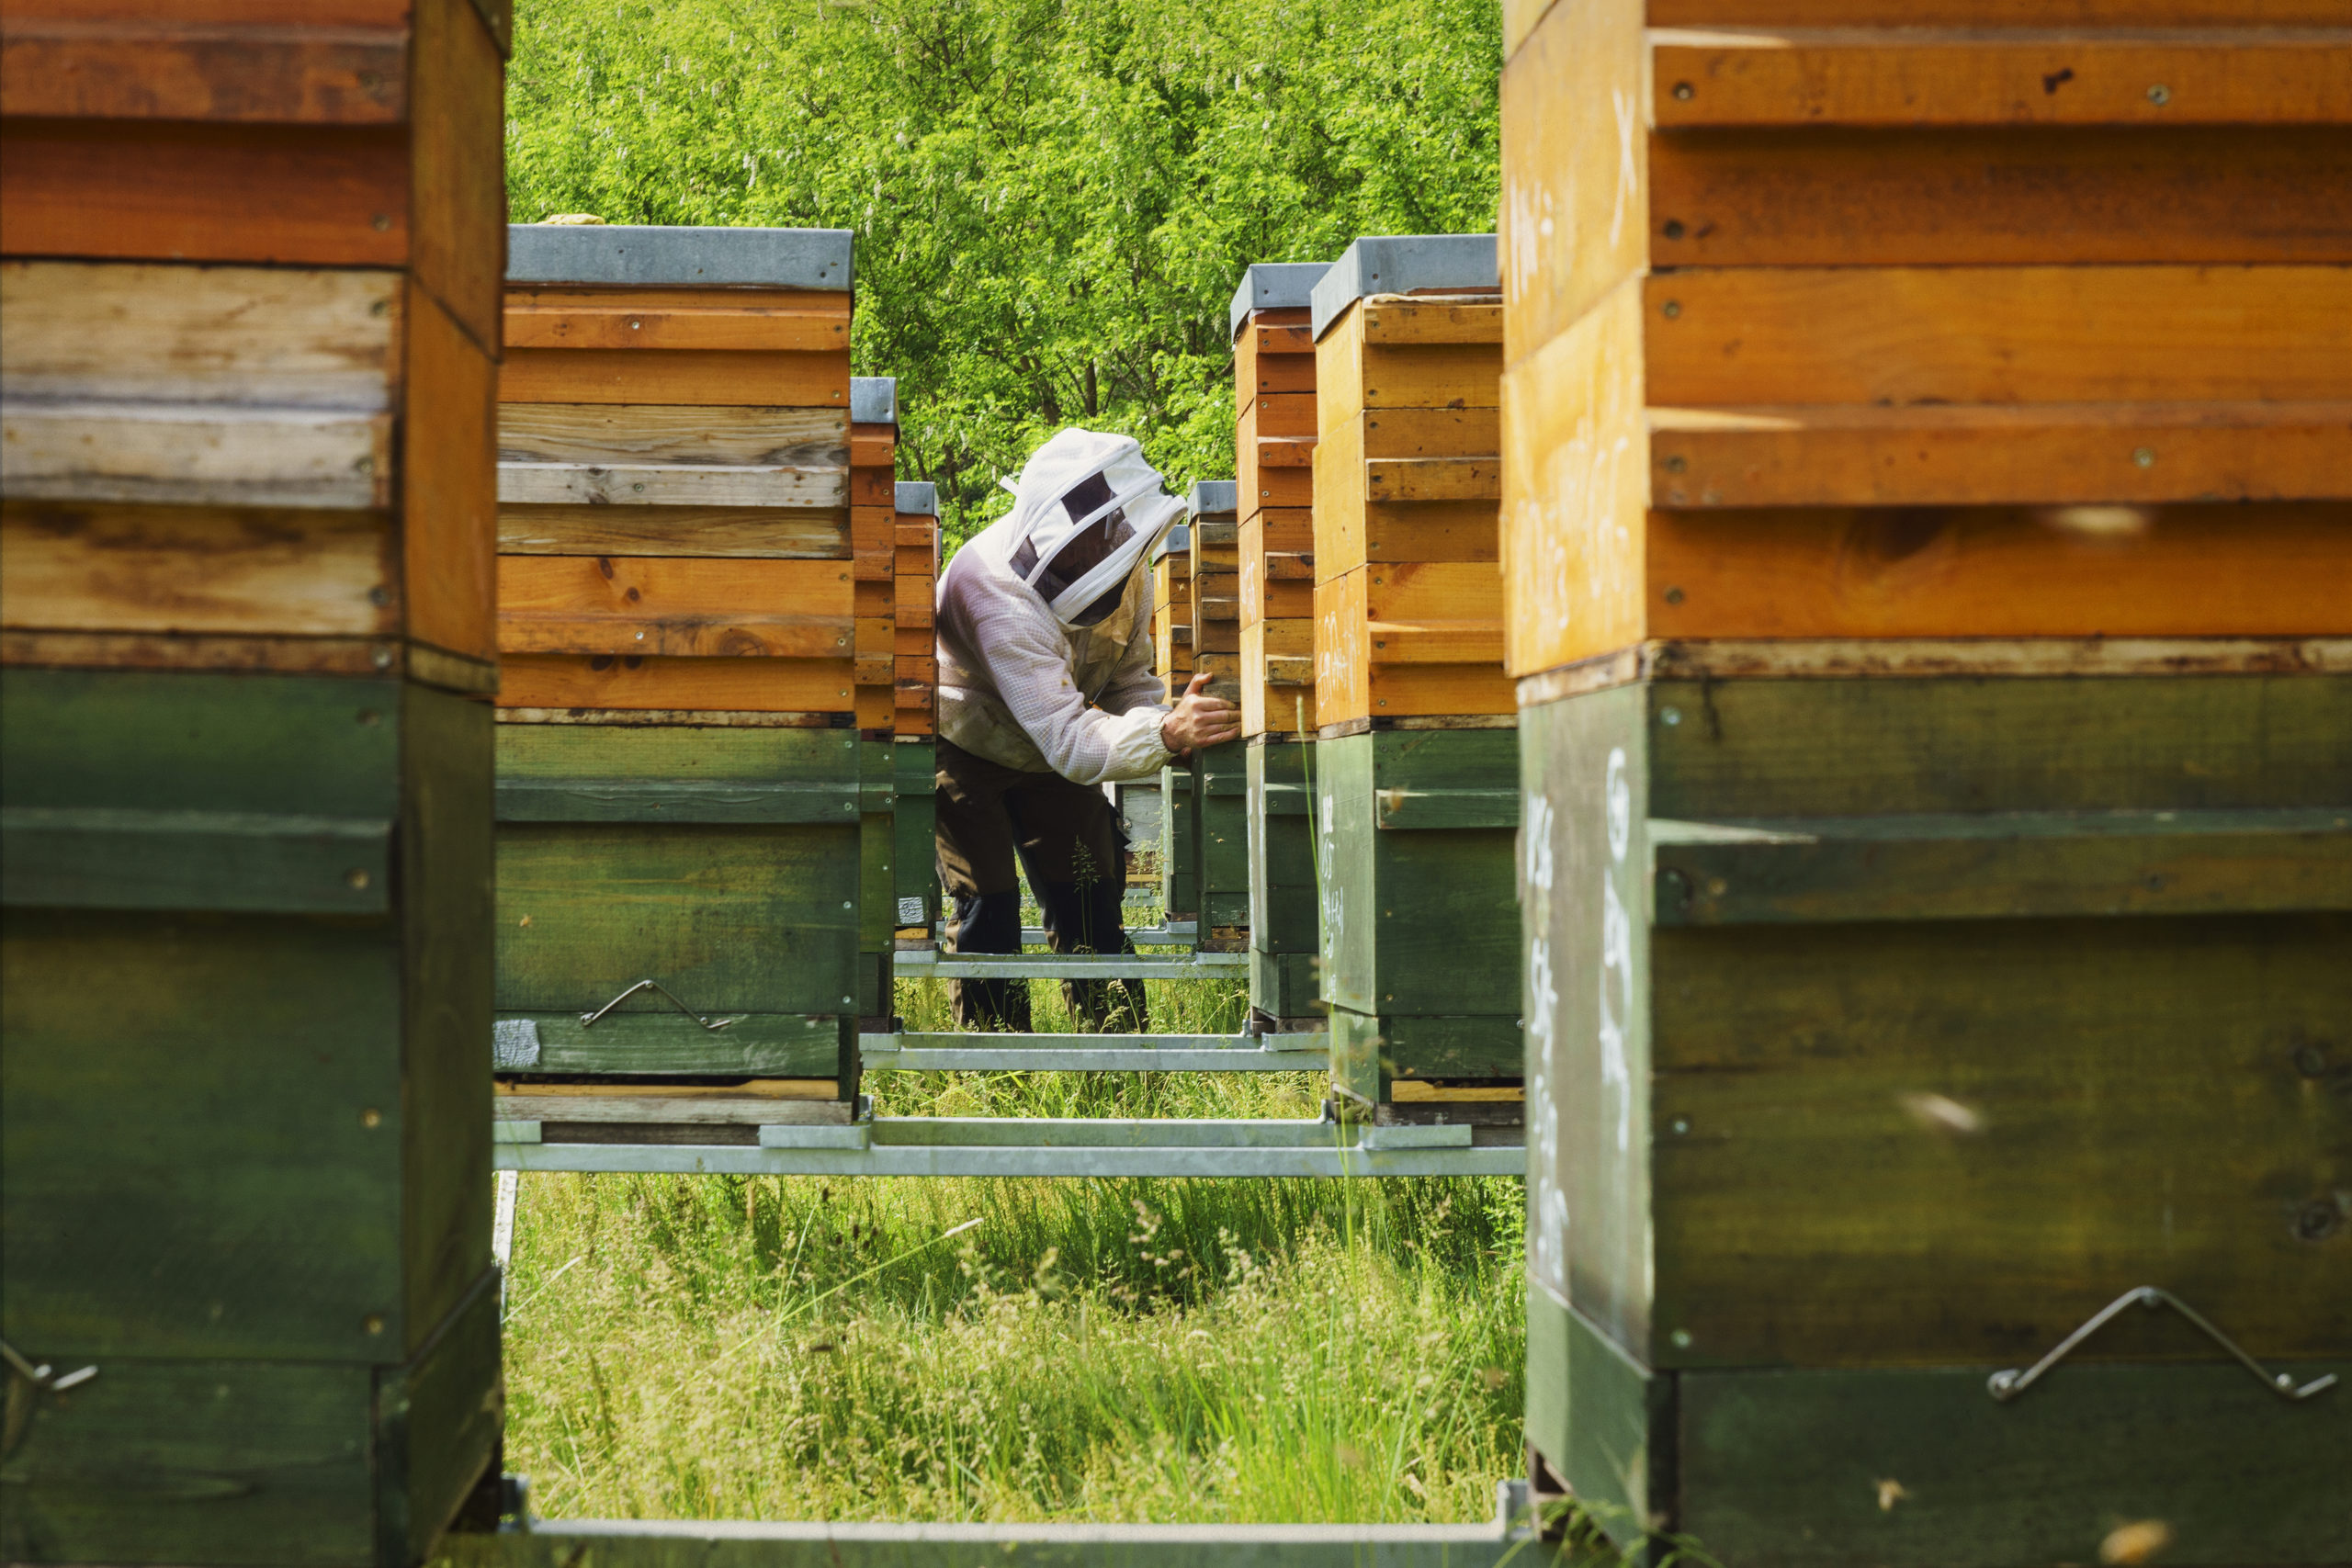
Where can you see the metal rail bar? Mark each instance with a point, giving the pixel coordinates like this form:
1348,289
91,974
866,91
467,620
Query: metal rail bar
1094,1053
1068,966
1039,1147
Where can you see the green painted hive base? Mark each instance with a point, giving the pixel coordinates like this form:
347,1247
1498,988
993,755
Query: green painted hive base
915,765
1221,793
1180,876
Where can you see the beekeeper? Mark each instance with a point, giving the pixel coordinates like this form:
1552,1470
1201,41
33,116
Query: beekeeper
1046,694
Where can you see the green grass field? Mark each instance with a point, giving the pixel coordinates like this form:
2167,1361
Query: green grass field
1135,1350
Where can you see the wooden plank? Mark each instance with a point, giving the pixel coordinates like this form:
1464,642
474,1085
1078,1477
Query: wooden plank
115,69
1401,321
1409,591
693,754
1433,479
163,190
317,338
449,494
457,151
781,533
1575,204
1575,489
268,1462
2011,864
1895,198
105,858
1975,454
645,1043
751,918
1774,1466
1353,375
1284,414
695,378
733,685
1966,334
1431,432
873,446
688,606
684,484
2215,76
730,320
2187,571
195,454
153,569
439,1418
668,434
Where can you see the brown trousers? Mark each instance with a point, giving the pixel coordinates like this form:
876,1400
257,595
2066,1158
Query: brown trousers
996,822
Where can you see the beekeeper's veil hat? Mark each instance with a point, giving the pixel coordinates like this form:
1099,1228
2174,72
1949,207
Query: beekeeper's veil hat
1086,508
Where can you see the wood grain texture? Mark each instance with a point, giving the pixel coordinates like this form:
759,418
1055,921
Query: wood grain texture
2184,571
1975,453
162,570
109,69
662,434
1352,374
1574,204
784,533
730,918
197,455
317,338
449,495
669,607
1893,197
163,190
457,165
733,686
695,378
1399,321
2234,76
1997,335
769,319
679,484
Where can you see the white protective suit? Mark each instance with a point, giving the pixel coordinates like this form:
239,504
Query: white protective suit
1023,680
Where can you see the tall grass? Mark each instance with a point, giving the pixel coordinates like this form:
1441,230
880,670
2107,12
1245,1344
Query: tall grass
1140,1350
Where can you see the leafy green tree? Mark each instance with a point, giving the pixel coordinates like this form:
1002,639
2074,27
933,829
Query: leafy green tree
1052,199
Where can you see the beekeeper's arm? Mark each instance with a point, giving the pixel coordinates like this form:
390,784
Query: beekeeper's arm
1027,661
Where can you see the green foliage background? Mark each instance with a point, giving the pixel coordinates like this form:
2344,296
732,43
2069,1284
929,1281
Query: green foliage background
1053,199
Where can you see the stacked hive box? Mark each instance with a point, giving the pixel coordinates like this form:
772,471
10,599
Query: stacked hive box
1927,455
1416,760
1221,773
1172,632
679,759
1274,364
915,754
874,539
249,328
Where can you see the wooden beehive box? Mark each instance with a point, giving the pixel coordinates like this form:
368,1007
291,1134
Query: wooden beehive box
1171,633
874,541
675,477
248,346
1925,520
915,752
1274,357
1415,756
1220,775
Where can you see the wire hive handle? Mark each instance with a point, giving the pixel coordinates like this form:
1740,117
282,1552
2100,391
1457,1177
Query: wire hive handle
2006,1384
588,1020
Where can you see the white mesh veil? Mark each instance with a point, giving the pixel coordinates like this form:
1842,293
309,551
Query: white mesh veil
1086,510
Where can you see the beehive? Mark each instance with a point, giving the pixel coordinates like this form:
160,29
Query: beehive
1415,756
1926,536
915,752
1220,774
248,342
1172,632
1273,358
674,433
874,539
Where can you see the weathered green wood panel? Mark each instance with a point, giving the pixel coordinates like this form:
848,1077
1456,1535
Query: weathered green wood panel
1607,1423
1924,1470
195,1461
1988,865
185,741
751,918
1858,748
1179,880
447,940
1350,872
437,1424
666,800
709,754
1283,986
105,858
1952,1142
1221,794
191,1167
916,857
649,1042
1281,863
1369,1052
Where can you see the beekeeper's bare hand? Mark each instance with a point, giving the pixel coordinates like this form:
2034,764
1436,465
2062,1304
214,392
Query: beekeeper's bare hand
1199,719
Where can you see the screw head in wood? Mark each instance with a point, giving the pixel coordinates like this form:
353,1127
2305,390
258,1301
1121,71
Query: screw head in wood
1669,717
2144,457
355,878
1682,1124
1681,1337
382,221
1676,465
371,1117
1684,91
1671,308
2160,94
1673,229
373,1322
1674,596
